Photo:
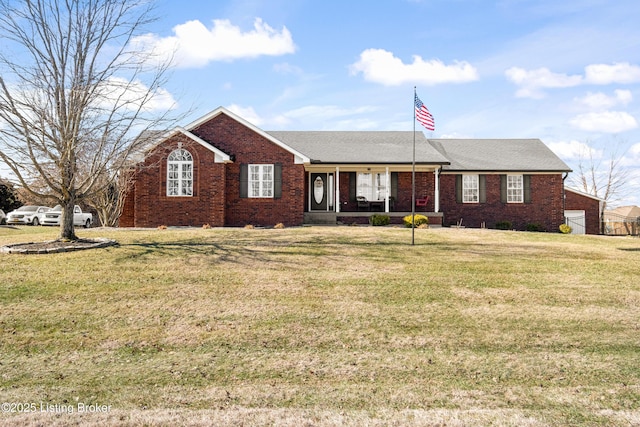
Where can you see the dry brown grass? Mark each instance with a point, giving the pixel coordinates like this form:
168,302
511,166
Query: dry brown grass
325,326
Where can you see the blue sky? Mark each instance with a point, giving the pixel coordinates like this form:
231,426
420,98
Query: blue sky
564,71
567,72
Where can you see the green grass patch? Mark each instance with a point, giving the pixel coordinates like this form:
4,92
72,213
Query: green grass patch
326,326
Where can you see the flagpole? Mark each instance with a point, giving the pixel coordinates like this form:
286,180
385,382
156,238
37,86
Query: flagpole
413,174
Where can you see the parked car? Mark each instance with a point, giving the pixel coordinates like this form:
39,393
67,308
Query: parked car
27,215
79,218
3,217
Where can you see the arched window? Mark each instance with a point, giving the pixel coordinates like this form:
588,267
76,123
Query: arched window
180,173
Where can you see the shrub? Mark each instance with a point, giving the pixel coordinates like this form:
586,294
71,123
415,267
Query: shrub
565,229
379,220
418,220
503,225
534,226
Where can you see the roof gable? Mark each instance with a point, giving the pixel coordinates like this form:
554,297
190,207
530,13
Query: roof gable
299,157
626,211
152,139
583,194
498,155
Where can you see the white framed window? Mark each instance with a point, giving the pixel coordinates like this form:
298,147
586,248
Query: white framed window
470,189
180,173
260,181
373,186
515,189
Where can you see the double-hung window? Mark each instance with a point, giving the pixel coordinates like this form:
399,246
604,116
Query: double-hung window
373,186
515,189
261,181
470,189
180,173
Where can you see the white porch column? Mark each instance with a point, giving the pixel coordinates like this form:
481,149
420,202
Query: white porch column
436,202
337,181
386,186
310,191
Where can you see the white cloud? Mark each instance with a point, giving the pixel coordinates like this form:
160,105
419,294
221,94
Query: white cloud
195,45
634,150
605,121
247,113
381,66
600,100
133,95
604,74
532,81
332,116
572,149
631,158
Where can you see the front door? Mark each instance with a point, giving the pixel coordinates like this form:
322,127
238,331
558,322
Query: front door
318,189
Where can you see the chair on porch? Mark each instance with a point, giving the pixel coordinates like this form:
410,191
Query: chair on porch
363,203
422,202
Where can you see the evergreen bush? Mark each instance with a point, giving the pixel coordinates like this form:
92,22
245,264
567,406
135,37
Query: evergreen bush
503,225
379,220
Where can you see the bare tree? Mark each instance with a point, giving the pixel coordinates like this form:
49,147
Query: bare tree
75,92
602,175
110,202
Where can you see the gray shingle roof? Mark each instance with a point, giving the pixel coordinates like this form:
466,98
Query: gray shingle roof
384,147
499,155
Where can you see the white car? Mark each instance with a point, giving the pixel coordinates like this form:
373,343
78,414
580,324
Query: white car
79,218
27,215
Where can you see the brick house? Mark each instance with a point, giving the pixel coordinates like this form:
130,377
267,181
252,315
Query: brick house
223,171
583,212
519,181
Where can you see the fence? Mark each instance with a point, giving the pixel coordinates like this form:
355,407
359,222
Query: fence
618,225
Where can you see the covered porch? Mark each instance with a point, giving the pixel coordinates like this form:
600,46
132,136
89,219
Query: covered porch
352,193
349,218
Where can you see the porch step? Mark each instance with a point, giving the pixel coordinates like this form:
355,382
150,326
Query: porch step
320,218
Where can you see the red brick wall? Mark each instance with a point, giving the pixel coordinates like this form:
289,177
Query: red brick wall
216,199
425,186
149,206
127,217
546,207
247,146
591,208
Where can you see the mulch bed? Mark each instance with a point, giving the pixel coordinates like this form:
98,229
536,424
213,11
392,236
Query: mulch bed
57,246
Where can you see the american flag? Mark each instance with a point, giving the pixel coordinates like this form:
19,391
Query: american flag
423,115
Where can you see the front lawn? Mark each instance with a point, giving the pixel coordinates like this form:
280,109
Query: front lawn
323,326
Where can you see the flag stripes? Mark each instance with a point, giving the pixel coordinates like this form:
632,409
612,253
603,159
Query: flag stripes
423,115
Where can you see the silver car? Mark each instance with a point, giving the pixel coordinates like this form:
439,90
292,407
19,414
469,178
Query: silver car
27,215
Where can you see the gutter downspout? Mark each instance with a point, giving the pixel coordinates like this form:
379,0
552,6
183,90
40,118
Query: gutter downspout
436,202
564,199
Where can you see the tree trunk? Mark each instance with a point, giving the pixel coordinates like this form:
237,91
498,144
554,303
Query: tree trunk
67,229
